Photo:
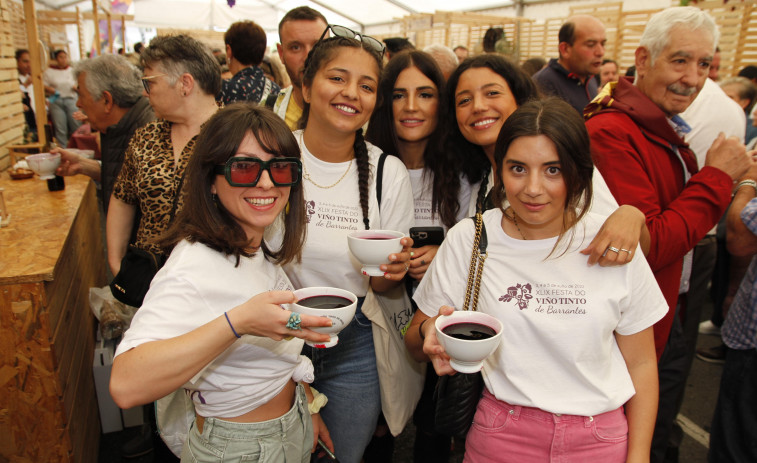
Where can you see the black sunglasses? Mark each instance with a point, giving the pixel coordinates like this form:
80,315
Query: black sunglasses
147,79
367,40
243,171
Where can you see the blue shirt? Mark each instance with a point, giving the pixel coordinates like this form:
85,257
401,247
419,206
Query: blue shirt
740,327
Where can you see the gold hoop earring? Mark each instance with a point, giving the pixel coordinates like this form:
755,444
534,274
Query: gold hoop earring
286,209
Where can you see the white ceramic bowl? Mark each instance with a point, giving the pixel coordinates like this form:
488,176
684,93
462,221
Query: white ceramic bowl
467,356
43,164
372,248
340,317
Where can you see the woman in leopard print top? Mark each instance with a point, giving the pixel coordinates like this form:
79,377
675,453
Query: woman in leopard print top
181,79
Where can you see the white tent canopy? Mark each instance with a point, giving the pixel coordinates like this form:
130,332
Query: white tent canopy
217,15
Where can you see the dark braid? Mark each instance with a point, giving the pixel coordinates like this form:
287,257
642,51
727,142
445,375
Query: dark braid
363,173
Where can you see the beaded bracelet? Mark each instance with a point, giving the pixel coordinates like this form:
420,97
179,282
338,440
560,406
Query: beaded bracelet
231,326
750,183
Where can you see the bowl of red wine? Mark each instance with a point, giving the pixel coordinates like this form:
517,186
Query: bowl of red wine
334,303
468,337
372,248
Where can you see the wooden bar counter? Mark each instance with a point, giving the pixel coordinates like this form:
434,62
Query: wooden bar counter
50,255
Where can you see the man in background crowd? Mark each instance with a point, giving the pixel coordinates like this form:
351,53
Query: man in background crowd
299,30
110,95
245,48
637,145
582,46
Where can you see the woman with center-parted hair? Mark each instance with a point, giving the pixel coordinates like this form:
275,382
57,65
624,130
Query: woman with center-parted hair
575,373
483,92
408,123
340,87
212,322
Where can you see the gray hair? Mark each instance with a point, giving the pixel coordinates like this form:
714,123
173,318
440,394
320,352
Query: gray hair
444,57
179,54
747,90
114,74
656,35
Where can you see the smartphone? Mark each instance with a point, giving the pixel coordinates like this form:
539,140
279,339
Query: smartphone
326,449
423,236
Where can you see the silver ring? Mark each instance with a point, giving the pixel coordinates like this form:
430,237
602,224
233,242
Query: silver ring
613,249
407,267
423,262
626,250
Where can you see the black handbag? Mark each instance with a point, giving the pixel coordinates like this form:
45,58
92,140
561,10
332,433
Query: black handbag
457,396
138,267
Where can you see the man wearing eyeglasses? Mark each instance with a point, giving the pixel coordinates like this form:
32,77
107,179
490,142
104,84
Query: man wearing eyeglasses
110,95
299,30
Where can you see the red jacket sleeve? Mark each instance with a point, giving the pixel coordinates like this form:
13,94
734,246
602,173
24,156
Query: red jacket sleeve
642,170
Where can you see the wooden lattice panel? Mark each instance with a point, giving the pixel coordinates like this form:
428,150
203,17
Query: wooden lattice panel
11,109
730,20
610,15
631,27
17,23
540,40
746,50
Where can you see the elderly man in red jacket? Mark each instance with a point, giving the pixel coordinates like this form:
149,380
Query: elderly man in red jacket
638,145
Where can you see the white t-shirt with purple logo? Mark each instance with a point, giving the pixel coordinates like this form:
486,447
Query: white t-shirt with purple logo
333,213
423,185
558,350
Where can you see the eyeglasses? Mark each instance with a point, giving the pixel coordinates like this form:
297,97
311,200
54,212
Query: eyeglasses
341,31
146,81
242,171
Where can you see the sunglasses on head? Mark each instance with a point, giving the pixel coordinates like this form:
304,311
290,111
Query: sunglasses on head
243,171
367,40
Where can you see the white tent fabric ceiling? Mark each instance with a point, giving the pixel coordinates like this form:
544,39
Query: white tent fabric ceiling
216,14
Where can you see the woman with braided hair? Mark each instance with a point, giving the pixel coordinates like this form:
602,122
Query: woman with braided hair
340,169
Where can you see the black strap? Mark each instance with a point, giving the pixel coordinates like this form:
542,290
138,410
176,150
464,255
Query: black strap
270,101
483,242
380,178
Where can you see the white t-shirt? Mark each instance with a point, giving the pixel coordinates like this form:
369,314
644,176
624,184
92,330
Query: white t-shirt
558,351
333,213
712,112
423,186
196,286
61,80
602,203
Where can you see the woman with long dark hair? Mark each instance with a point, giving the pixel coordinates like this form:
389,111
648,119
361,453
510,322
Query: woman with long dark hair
408,123
586,329
212,322
483,92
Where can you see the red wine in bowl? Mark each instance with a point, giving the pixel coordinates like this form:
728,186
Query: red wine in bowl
469,331
324,302
376,237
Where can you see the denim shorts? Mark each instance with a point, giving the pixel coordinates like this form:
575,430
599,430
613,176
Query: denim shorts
510,433
288,438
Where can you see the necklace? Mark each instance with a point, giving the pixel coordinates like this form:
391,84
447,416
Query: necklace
515,221
307,177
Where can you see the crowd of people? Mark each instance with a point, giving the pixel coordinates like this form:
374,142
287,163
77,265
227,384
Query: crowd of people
600,195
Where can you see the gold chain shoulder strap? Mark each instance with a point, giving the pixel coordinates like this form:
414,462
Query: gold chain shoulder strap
476,268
